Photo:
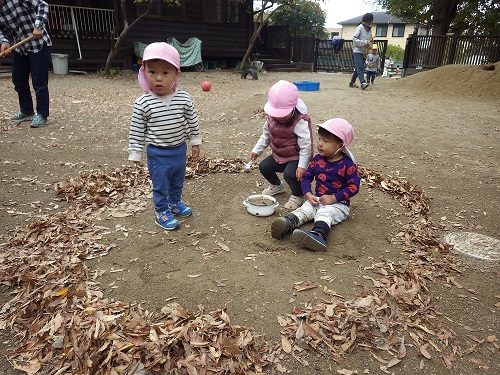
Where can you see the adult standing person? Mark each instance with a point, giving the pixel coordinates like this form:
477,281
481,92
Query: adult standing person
24,18
361,43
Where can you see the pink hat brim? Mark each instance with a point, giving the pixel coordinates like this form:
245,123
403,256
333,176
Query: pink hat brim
143,81
276,112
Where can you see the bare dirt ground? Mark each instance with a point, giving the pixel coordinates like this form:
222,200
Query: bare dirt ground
429,129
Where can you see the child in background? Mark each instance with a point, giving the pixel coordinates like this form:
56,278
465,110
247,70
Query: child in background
288,133
337,181
372,64
164,118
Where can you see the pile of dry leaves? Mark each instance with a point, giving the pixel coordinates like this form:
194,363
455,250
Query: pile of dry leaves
63,321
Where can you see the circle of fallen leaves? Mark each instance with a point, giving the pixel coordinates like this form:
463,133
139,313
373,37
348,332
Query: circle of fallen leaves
63,320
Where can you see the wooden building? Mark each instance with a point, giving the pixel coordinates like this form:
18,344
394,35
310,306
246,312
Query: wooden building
82,29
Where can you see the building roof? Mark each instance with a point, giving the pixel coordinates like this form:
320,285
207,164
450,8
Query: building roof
378,17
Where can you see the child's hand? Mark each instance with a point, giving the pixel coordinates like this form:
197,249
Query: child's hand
299,173
328,199
312,199
253,156
195,151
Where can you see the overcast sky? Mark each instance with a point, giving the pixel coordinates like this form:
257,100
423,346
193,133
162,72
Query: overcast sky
341,10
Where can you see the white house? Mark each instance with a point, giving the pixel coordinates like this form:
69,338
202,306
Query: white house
385,26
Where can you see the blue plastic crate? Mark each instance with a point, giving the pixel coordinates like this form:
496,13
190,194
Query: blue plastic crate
307,85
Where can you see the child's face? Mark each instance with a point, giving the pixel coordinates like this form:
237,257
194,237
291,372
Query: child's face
373,51
284,118
161,76
329,146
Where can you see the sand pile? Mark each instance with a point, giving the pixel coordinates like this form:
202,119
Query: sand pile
474,81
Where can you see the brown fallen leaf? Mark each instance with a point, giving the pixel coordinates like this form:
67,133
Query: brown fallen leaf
300,331
305,287
491,338
223,246
402,348
286,345
449,359
424,352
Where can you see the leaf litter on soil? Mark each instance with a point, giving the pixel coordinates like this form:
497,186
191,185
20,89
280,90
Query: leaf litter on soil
63,320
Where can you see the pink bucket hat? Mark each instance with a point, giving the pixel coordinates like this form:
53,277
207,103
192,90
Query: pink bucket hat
160,51
281,99
340,128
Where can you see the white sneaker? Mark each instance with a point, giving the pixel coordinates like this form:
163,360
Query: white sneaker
274,189
294,202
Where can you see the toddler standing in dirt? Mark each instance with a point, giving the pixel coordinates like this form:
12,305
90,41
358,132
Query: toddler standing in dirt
337,181
164,118
372,64
288,133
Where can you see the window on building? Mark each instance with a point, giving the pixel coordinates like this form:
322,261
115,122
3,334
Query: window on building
214,10
222,11
233,11
381,30
192,10
398,30
162,9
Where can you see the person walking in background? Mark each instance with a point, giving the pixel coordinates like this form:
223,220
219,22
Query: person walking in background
372,64
164,118
362,41
25,18
287,131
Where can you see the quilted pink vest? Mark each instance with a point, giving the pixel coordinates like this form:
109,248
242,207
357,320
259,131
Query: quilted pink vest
283,141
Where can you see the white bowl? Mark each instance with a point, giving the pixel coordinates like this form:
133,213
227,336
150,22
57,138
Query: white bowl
260,204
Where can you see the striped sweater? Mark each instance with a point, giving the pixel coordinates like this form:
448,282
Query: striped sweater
164,121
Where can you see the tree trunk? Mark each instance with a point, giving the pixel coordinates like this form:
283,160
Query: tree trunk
443,12
253,38
126,28
261,22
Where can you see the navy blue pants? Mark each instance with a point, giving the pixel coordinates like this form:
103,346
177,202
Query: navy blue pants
269,167
167,169
359,72
36,64
370,76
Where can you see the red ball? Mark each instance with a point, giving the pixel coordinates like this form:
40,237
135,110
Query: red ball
206,86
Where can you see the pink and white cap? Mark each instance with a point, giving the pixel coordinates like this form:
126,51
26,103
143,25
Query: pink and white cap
340,128
160,51
281,99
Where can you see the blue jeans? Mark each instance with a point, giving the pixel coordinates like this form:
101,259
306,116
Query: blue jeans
36,64
269,167
359,63
370,76
167,169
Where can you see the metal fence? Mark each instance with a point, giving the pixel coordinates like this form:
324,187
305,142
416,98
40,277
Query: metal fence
432,51
336,55
68,22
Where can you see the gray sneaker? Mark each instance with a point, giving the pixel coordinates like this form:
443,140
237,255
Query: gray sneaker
38,121
20,117
364,85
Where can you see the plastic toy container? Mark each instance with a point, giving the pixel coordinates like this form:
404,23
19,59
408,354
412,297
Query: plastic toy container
59,63
307,85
